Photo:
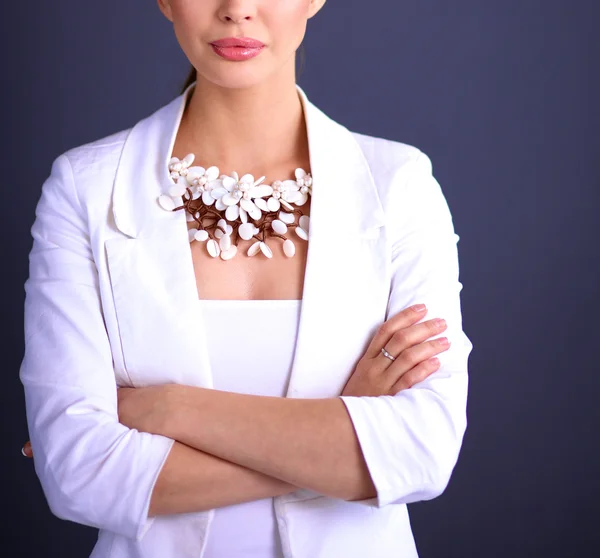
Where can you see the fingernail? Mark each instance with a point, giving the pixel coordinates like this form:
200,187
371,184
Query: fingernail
419,307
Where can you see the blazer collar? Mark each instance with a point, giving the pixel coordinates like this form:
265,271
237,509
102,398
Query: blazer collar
344,189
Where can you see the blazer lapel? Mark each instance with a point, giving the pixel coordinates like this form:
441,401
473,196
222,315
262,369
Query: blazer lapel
345,260
151,271
345,289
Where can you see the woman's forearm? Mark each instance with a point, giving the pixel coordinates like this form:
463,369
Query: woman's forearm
192,480
310,443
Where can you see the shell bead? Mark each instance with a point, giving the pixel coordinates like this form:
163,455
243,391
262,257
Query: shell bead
304,222
229,253
301,233
213,248
255,248
266,250
201,236
273,204
232,212
225,242
255,213
287,218
279,226
176,190
166,202
287,205
246,231
289,248
189,159
261,204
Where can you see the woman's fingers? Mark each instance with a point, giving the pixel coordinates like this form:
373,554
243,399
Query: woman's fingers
26,450
401,342
415,375
413,355
396,323
415,363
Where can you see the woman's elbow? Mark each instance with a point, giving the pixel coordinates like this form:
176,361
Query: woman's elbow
442,462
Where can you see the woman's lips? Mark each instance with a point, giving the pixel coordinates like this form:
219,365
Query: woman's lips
236,52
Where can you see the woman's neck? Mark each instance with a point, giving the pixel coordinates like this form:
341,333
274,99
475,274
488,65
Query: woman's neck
247,130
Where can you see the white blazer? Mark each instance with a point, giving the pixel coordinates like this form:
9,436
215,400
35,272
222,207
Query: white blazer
111,301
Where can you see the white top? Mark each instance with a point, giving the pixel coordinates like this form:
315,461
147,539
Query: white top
251,345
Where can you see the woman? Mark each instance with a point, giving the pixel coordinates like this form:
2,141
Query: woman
278,391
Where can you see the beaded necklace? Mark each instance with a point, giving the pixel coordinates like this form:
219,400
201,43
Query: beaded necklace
225,206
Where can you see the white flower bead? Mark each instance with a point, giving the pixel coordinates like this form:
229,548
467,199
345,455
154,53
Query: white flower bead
246,231
201,236
279,226
266,250
229,253
254,249
301,233
289,248
213,248
304,222
287,218
166,202
225,242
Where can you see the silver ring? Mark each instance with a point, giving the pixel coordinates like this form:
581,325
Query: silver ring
386,354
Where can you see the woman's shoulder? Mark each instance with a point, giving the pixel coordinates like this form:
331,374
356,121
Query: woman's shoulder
393,163
99,155
405,181
86,172
96,163
384,150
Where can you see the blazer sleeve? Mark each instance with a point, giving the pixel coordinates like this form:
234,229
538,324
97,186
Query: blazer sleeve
93,470
411,441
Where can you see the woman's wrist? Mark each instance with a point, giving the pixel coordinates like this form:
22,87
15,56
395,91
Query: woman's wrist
177,410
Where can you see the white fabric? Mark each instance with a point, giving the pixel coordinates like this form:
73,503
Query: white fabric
251,345
108,299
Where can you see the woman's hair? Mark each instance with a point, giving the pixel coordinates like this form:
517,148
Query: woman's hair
192,75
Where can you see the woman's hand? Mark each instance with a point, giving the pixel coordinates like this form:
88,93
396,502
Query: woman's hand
26,449
403,338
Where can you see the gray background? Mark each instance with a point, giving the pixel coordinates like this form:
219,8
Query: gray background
503,96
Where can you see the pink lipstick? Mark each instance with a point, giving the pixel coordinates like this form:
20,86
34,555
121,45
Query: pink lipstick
237,48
